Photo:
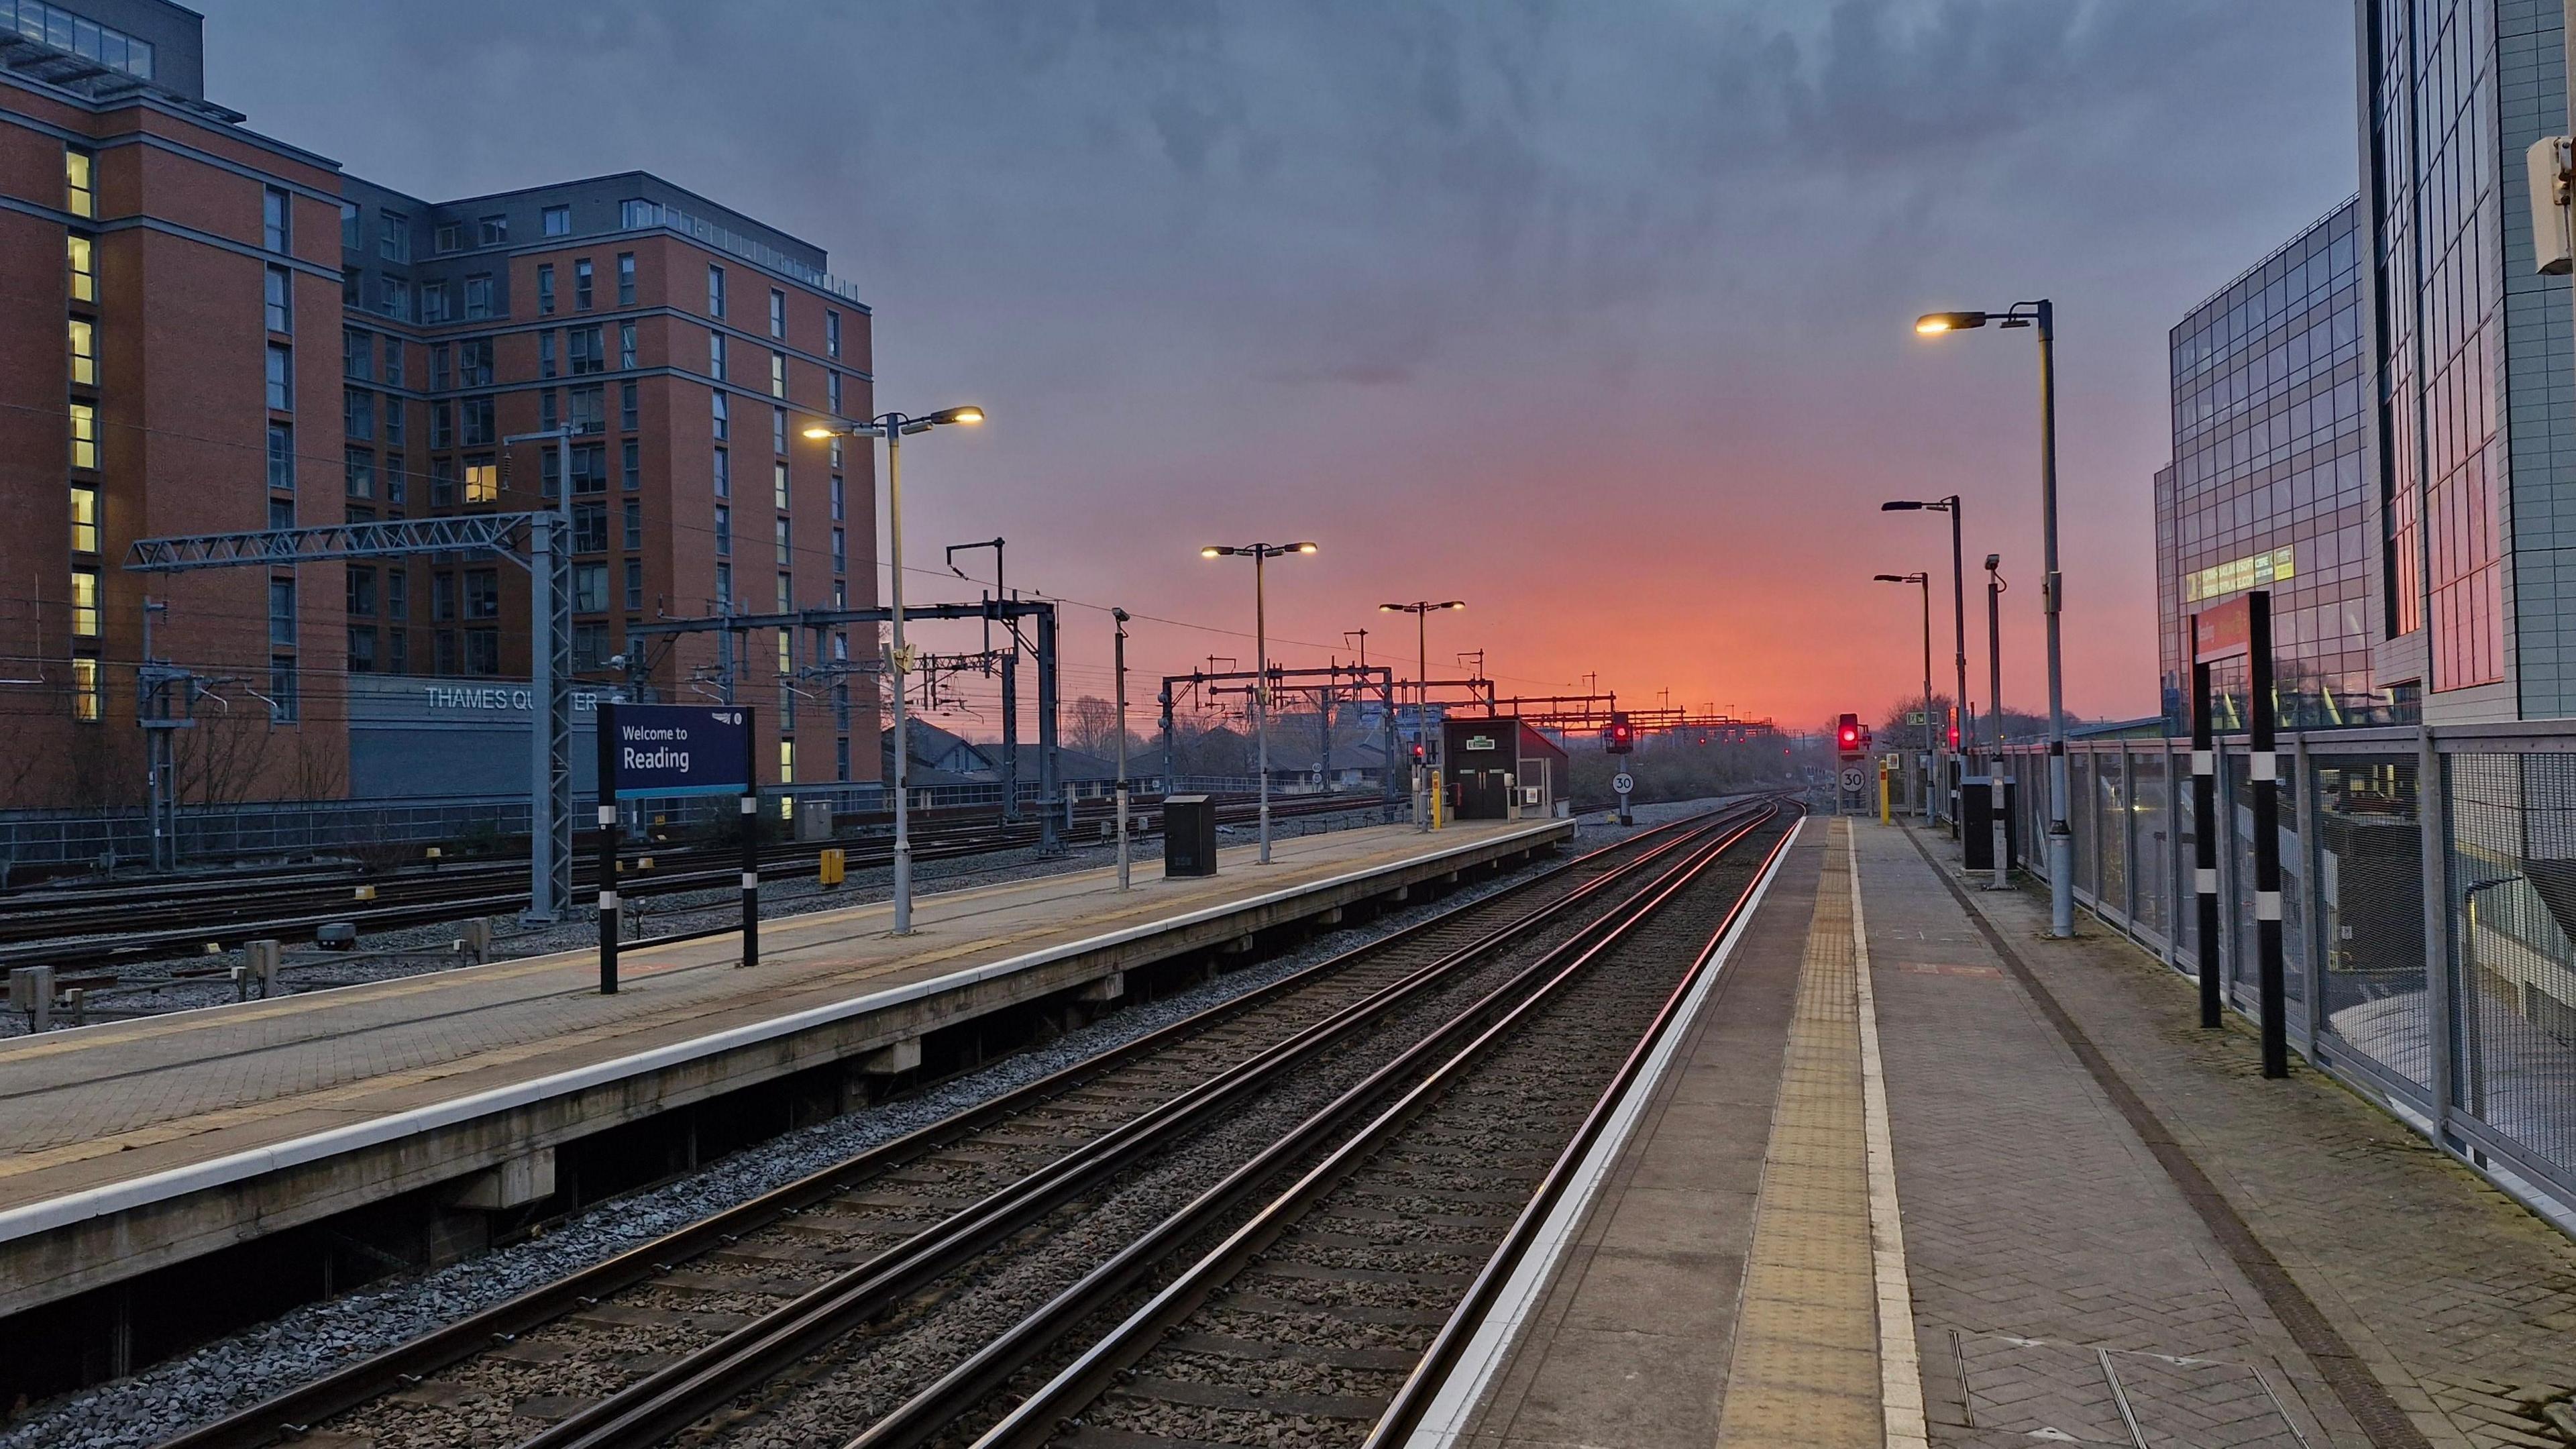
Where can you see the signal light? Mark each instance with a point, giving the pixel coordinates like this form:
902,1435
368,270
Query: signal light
1847,734
1954,737
1621,737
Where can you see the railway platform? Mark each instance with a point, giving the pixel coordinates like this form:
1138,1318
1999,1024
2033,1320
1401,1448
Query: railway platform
1915,1175
137,1145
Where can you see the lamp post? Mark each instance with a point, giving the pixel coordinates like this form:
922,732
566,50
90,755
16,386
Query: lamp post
1995,736
894,427
1930,751
2052,596
1421,610
1261,554
1958,618
1120,616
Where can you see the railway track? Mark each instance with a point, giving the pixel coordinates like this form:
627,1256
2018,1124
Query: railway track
961,1256
188,917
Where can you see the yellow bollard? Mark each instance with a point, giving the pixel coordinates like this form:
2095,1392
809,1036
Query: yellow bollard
830,869
1884,817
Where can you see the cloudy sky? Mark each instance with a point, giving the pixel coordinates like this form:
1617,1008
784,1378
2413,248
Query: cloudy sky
1595,315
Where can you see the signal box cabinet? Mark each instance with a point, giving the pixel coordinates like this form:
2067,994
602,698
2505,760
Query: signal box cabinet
1977,797
1189,835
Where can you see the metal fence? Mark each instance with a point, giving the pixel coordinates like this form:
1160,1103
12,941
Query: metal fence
2428,934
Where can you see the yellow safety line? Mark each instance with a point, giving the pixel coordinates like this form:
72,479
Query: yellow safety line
1806,1364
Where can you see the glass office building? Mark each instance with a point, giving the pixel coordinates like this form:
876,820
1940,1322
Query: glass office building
2270,487
2475,596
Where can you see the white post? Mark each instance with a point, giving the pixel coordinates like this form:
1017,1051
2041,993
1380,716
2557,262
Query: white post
1122,751
892,426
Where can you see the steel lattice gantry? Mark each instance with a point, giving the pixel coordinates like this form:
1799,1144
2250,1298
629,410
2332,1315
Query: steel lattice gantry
544,555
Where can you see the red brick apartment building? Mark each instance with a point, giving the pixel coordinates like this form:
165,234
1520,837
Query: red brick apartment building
206,330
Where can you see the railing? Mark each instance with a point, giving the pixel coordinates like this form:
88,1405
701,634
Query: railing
2428,905
638,215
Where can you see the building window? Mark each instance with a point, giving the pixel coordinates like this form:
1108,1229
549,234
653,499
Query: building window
589,646
359,415
281,611
85,691
394,490
581,284
438,369
482,479
716,356
281,513
546,353
482,594
778,486
545,288
589,527
589,410
396,298
777,313
787,763
478,422
634,583
778,430
630,465
442,597
362,591
84,518
397,651
778,374
724,583
442,482
626,406
633,511
283,703
786,592
478,296
590,588
445,660
362,651
442,425
558,220
625,279
720,413
84,345
393,362
832,387
433,302
276,219
626,347
84,435
281,457
723,474
546,417
82,254
482,651
357,356
360,469
493,231
398,591
80,182
281,378
715,291
840,551
589,460
832,333
474,362
85,603
280,308
582,351
783,543
449,237
724,531
840,494
393,236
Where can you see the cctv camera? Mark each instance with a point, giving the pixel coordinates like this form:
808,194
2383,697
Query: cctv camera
1994,560
1118,614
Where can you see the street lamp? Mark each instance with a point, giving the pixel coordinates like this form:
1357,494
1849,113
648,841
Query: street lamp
1421,609
1995,587
2052,587
1930,750
1958,615
894,428
1260,554
1120,617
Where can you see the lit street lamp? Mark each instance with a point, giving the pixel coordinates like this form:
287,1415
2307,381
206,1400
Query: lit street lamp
1930,751
1261,554
894,427
1421,609
2052,587
1958,620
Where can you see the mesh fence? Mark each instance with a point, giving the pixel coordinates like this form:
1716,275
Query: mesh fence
2513,908
2080,815
2150,862
2370,897
2111,831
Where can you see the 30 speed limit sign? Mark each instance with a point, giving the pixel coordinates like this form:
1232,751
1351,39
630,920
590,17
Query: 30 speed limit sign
1852,777
1623,783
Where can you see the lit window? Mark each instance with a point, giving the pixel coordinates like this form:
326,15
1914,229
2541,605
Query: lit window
85,603
84,436
84,339
778,374
80,185
84,269
482,481
84,519
85,692
778,485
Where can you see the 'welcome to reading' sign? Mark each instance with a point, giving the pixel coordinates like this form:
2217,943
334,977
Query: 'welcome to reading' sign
677,749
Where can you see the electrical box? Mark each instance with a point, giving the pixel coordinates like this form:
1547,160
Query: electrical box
2553,226
1189,835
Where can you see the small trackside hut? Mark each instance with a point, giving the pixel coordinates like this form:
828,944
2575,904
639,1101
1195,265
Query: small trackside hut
1501,769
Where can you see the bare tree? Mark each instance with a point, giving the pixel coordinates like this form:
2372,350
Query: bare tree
1091,725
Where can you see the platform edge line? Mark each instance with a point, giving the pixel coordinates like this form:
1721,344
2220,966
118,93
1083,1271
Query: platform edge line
1899,1370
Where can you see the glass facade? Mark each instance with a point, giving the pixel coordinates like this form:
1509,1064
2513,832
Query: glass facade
2267,488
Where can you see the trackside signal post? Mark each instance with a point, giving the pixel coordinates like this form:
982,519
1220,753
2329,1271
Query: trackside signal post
660,750
1620,738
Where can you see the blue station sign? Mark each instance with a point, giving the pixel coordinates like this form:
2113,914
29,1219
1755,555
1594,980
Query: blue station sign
675,749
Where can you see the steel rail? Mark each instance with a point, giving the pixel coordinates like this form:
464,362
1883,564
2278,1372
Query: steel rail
930,1412
290,1414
